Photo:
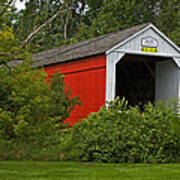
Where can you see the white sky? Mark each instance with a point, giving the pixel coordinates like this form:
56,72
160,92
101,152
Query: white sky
19,5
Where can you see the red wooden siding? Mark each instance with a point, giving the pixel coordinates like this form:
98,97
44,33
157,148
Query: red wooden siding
86,78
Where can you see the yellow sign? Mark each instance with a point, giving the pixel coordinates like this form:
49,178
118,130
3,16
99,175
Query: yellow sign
149,50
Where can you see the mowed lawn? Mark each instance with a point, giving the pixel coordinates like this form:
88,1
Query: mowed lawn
87,171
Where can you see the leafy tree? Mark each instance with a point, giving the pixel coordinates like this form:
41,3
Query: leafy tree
84,19
30,107
119,14
54,34
91,10
169,18
31,104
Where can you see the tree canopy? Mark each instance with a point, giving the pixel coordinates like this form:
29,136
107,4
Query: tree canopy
84,19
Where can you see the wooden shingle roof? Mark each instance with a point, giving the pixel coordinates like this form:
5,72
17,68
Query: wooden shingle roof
87,48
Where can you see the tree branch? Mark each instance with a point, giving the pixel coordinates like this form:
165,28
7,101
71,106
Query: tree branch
69,15
43,25
66,24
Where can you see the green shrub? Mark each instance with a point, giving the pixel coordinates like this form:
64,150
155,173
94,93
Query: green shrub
31,112
119,134
29,106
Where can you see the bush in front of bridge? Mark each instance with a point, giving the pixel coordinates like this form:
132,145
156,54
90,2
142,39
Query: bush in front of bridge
122,134
32,111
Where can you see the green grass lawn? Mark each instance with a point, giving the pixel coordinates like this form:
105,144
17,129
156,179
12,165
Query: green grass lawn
85,171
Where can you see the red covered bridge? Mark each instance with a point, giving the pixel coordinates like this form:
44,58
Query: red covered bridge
99,69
